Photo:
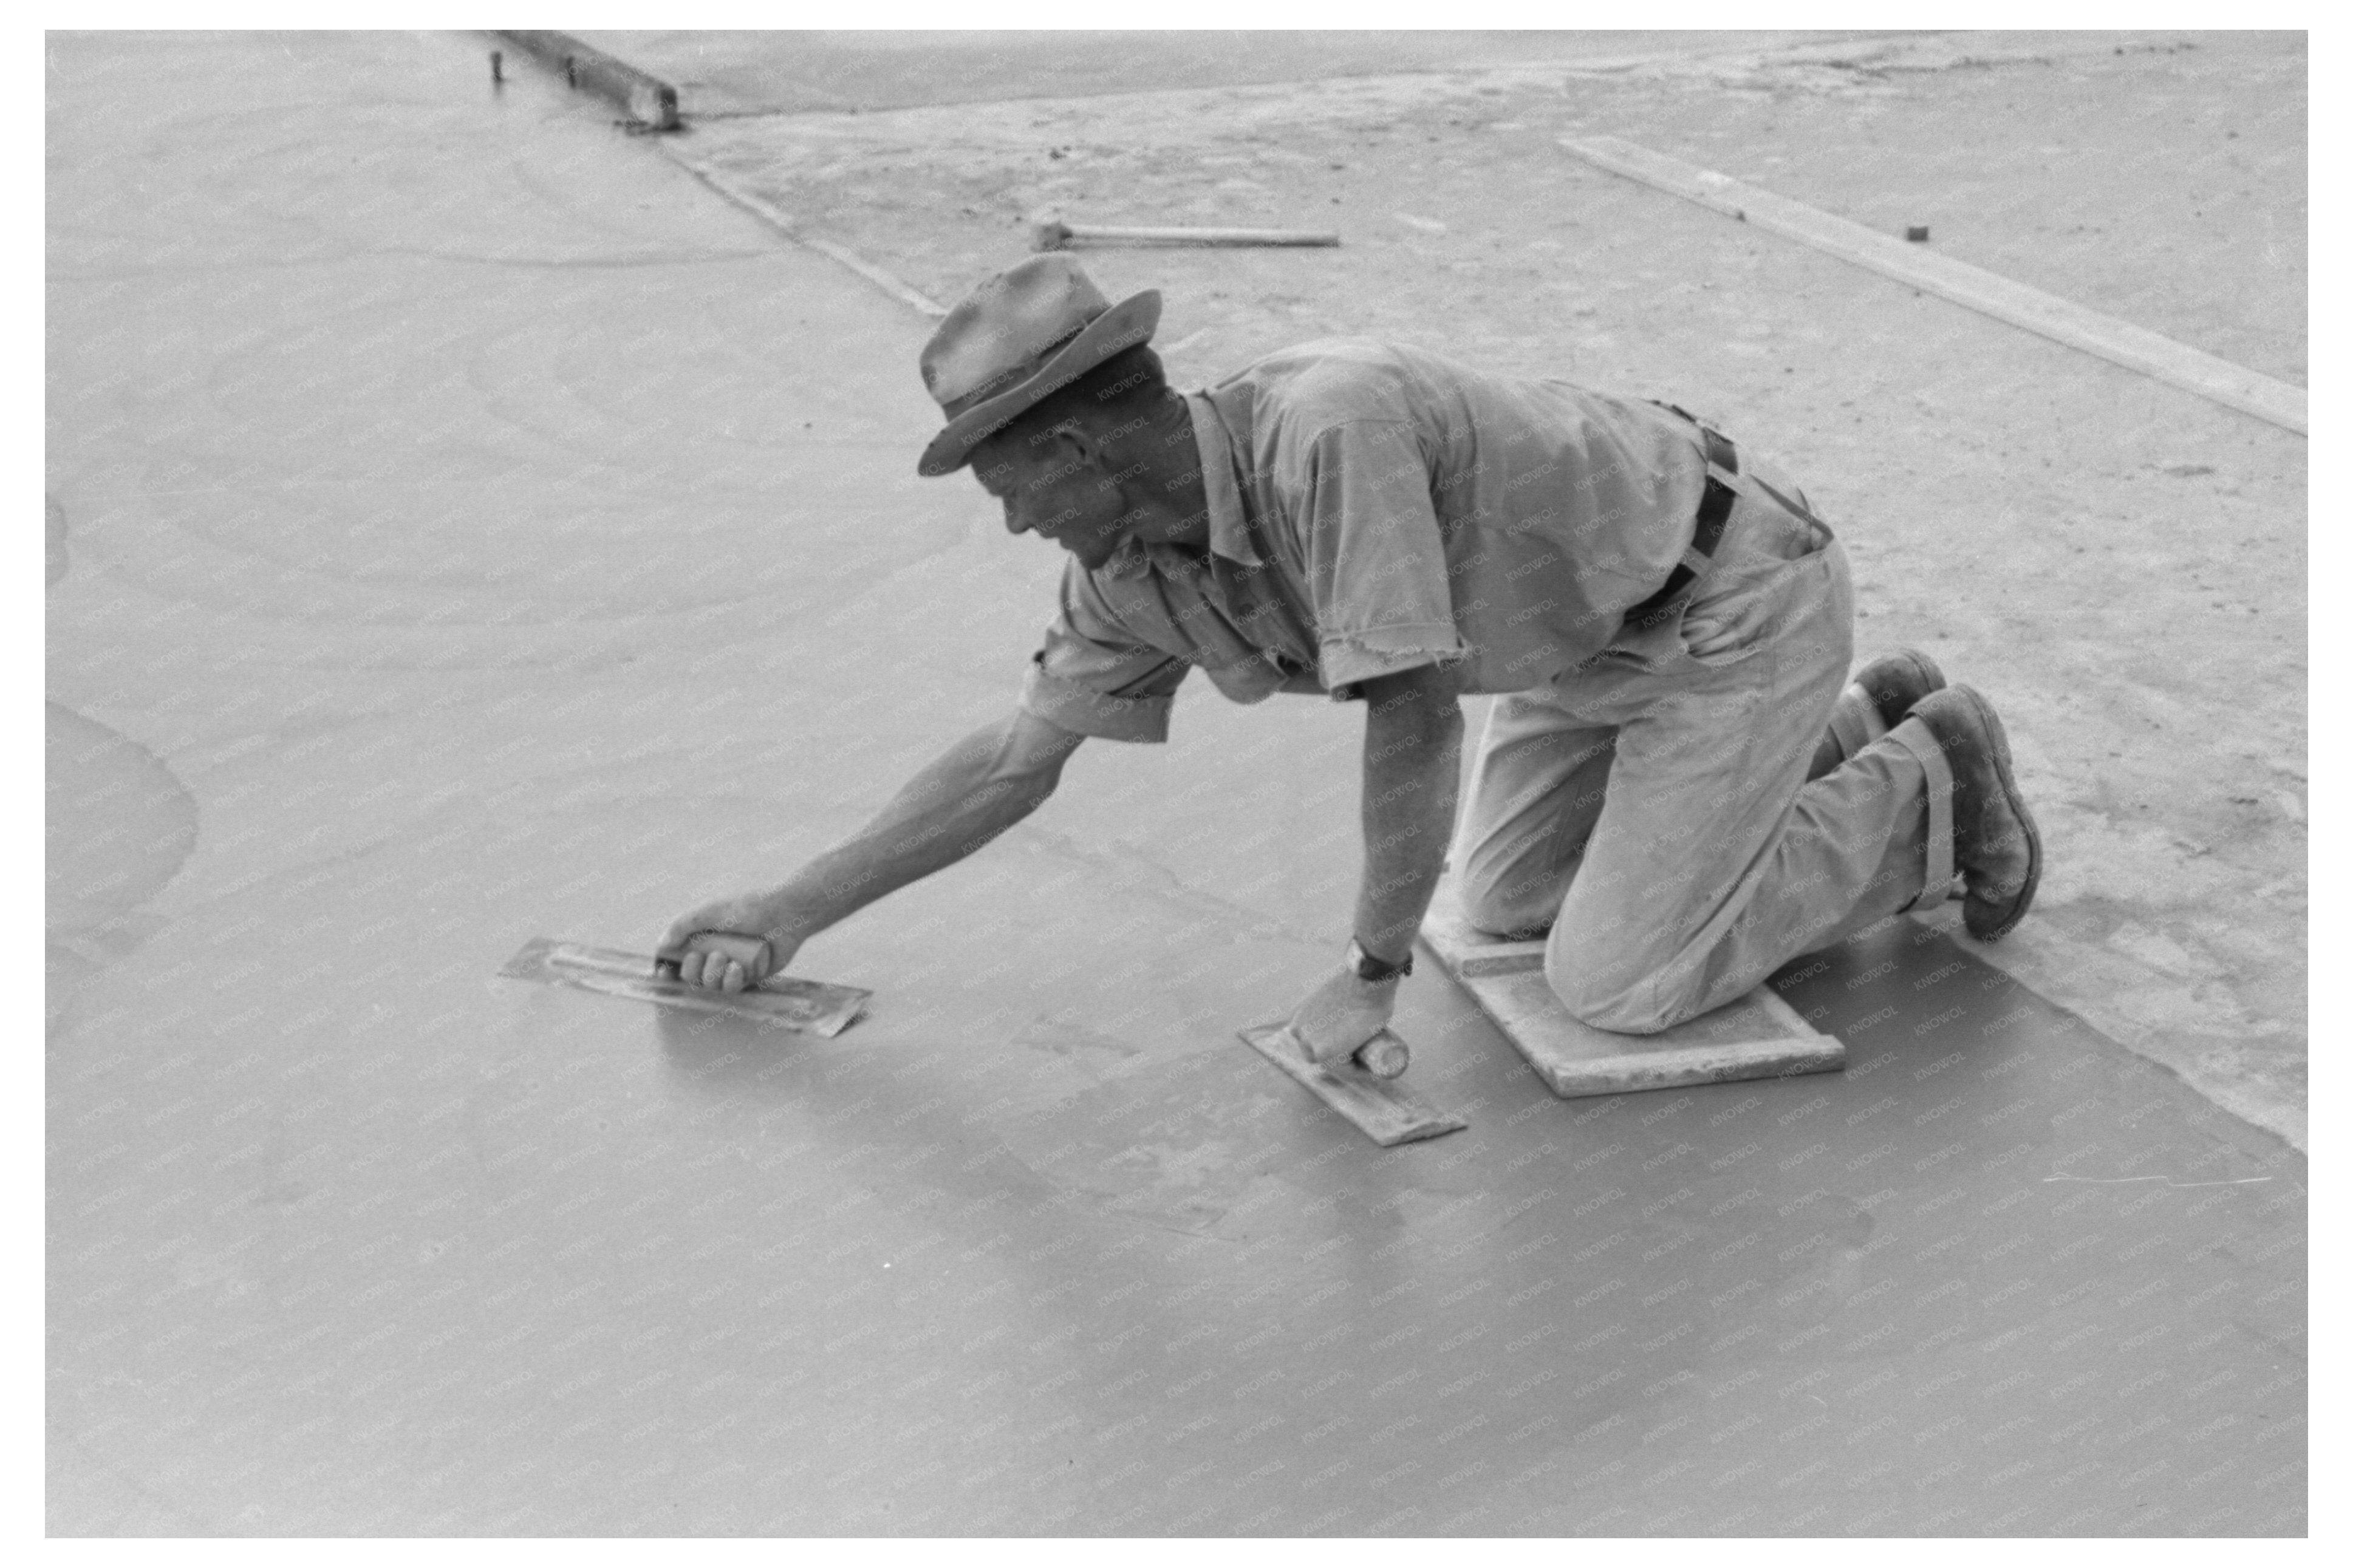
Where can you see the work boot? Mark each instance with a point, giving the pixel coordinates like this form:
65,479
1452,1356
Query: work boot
1994,839
1875,703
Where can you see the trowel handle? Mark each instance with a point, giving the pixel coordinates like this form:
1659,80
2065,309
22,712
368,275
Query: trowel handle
752,951
1384,1056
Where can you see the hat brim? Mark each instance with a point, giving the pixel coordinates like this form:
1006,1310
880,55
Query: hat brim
1131,321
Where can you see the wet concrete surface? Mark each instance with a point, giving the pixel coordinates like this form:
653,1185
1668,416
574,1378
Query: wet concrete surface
496,536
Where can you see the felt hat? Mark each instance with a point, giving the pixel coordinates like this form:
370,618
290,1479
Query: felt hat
1015,339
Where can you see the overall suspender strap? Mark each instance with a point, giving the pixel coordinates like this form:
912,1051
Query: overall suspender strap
1917,738
1856,725
1707,528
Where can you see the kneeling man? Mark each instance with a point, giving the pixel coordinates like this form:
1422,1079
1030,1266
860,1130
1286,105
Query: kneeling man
1677,781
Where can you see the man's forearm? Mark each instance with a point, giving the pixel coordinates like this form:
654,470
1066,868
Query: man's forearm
974,792
1413,749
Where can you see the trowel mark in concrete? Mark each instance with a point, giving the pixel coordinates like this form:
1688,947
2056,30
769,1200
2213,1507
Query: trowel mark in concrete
58,562
119,827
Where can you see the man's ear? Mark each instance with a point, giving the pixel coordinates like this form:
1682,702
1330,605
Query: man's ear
1079,446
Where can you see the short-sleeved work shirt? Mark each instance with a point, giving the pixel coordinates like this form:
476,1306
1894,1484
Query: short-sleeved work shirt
1374,507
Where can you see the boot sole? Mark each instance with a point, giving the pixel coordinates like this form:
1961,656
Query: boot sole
1995,926
1891,684
1914,668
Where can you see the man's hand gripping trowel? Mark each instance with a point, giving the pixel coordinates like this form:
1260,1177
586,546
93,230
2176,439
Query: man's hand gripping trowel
779,1001
1360,1084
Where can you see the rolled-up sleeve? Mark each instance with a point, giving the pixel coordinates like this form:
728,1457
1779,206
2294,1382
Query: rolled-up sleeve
1377,564
1092,678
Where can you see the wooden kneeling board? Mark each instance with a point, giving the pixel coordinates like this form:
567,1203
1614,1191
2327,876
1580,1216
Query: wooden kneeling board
1759,1035
1381,1109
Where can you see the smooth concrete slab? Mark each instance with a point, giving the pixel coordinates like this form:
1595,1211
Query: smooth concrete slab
489,533
1758,1035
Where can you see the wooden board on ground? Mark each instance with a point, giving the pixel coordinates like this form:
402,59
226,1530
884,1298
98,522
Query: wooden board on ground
2062,321
784,1001
1759,1035
1381,1109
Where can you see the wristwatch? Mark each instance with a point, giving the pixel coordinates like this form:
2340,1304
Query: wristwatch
1365,967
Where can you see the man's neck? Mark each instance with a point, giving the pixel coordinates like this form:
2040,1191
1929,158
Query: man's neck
1180,480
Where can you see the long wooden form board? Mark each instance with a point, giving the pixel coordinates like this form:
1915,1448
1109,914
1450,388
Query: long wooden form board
1381,1109
1759,1035
2119,343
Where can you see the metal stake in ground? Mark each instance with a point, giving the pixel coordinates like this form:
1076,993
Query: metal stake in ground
1056,235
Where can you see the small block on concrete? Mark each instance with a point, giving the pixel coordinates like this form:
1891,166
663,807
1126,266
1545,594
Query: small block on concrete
1380,1108
1759,1035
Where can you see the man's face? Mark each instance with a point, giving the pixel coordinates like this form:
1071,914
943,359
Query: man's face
1050,485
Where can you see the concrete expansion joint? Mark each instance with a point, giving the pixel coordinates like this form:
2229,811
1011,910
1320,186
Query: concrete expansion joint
768,212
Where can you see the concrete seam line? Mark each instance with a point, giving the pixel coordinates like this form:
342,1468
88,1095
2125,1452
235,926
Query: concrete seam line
760,207
644,98
1989,293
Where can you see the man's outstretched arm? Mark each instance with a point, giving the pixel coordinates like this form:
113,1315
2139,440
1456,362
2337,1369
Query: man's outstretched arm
1413,751
975,791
